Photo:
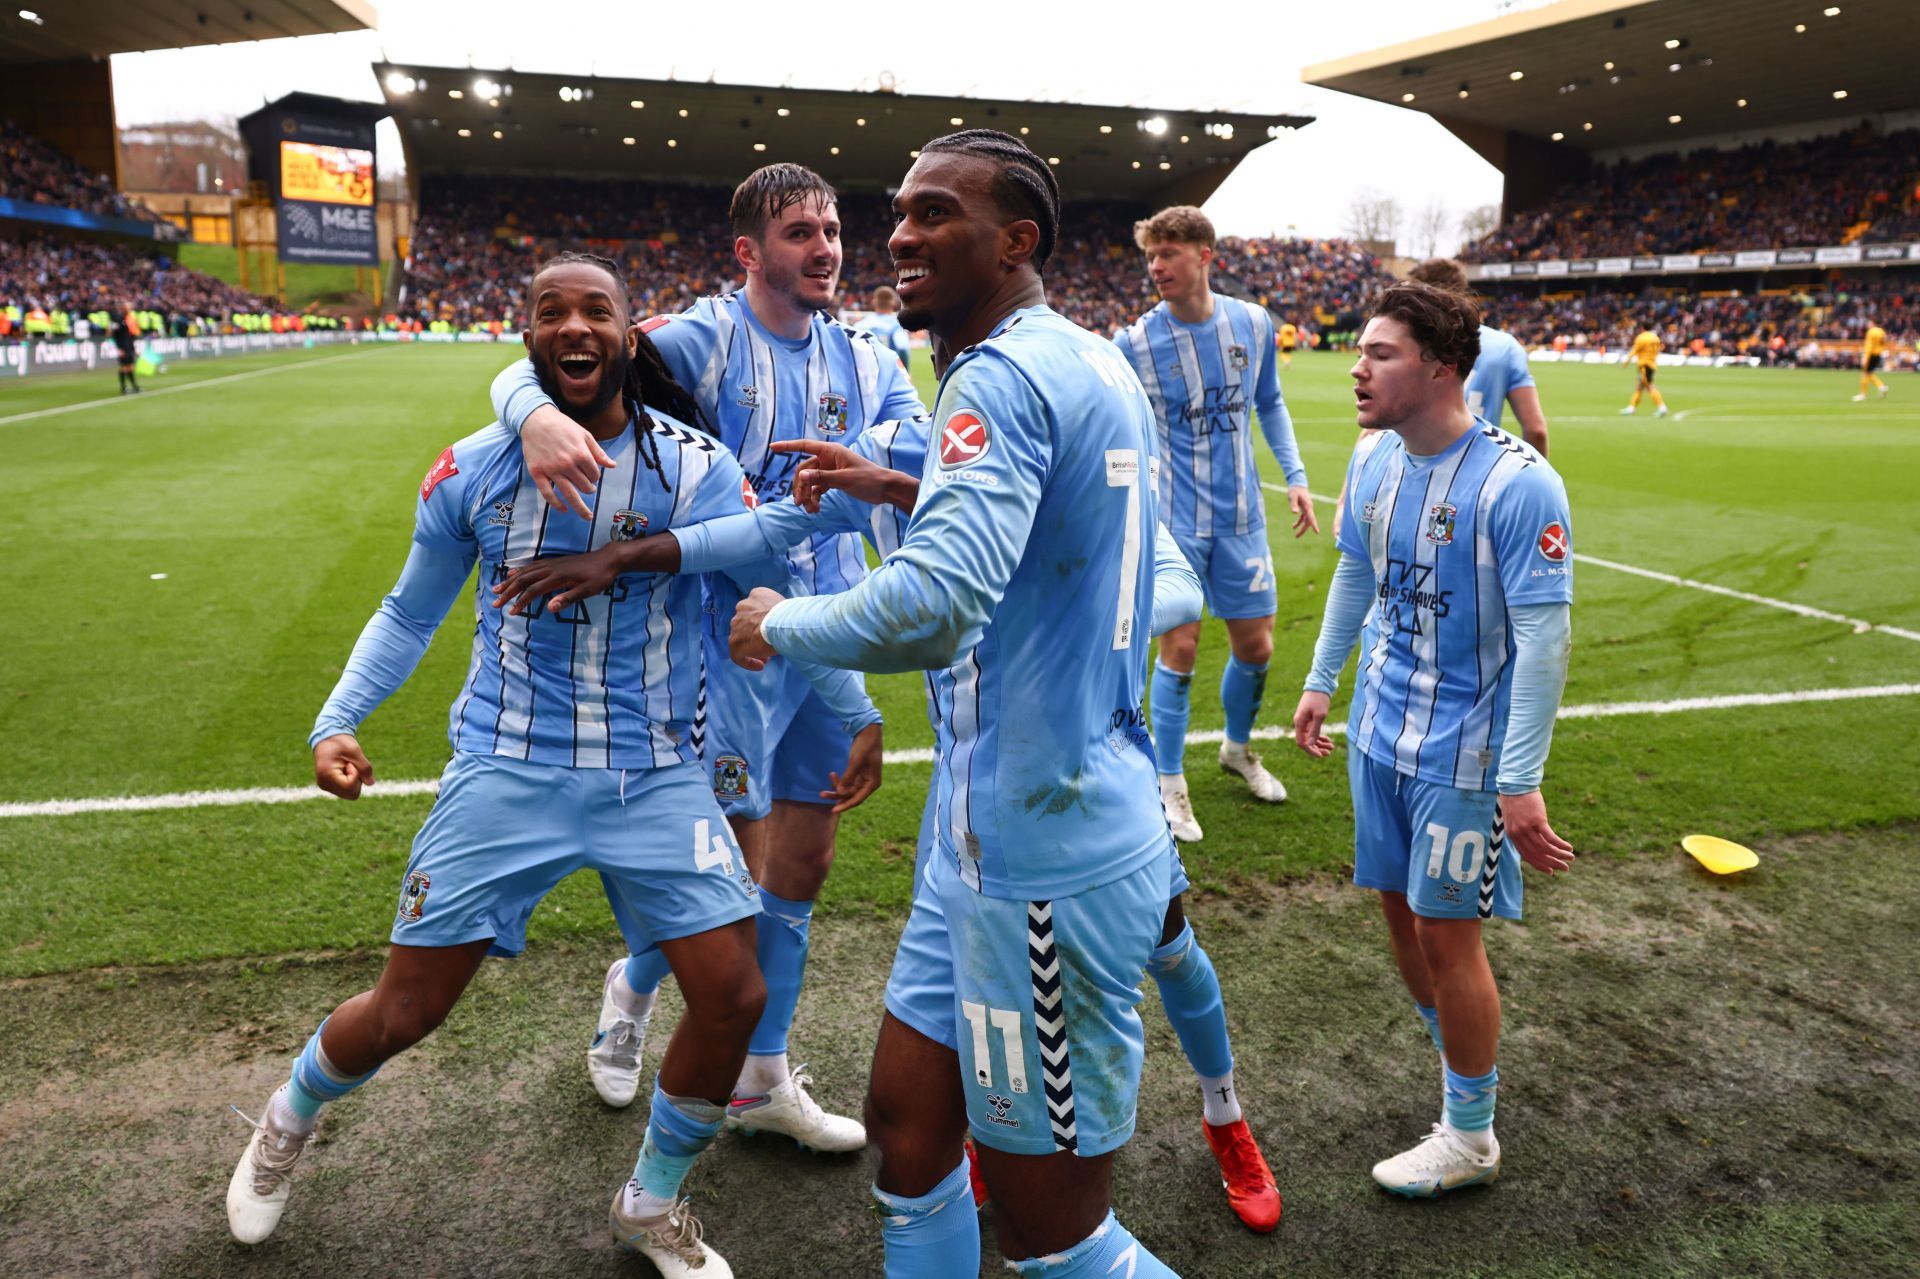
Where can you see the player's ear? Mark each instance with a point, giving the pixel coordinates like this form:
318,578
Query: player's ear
526,340
746,252
633,340
1019,240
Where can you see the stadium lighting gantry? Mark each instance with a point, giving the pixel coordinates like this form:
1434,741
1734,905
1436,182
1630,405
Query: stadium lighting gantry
1156,125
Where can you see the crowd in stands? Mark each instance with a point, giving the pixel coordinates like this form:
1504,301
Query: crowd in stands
1823,191
1786,326
476,241
35,173
64,277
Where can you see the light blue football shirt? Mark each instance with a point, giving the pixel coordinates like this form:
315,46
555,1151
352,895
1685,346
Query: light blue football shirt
756,387
1501,369
886,328
1202,380
1025,582
612,682
1455,541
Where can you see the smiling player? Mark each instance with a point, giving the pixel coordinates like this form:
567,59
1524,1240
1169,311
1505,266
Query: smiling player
1011,1006
573,748
764,363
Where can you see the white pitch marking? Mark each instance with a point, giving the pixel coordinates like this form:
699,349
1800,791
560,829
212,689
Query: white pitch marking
923,755
185,386
1860,626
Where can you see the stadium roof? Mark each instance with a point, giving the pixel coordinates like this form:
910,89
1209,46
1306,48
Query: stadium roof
1599,74
64,31
465,121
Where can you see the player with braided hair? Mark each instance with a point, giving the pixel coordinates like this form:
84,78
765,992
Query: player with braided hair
574,748
1024,586
763,363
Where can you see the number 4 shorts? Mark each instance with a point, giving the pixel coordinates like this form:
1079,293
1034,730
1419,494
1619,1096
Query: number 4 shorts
503,832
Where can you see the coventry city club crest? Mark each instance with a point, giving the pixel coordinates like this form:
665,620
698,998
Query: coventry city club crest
627,525
413,895
1237,356
833,414
729,777
1440,523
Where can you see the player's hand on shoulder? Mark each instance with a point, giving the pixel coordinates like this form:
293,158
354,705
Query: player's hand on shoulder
340,767
563,458
744,642
862,775
1530,834
1309,718
566,578
1300,502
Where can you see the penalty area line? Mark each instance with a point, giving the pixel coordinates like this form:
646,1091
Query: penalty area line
428,786
1859,626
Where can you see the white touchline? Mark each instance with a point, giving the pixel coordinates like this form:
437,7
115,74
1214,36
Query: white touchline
185,386
1859,625
427,786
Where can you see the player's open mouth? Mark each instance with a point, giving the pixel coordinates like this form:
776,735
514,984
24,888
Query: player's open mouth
577,370
910,275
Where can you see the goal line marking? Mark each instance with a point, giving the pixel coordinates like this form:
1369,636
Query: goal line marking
427,786
1859,626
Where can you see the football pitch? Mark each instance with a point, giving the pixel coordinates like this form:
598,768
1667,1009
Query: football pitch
1704,1076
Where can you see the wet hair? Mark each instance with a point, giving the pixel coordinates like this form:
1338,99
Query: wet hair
1442,273
1181,224
770,191
1445,324
649,384
1024,187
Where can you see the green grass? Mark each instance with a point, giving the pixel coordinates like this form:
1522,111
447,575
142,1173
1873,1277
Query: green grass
278,507
305,280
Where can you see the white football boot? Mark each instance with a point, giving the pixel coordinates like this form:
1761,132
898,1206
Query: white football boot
257,1193
1179,808
673,1243
1661,411
788,1109
1442,1161
1237,759
613,1058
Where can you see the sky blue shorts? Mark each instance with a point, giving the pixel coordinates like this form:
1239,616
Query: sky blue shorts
503,832
770,737
1038,999
1235,571
1441,846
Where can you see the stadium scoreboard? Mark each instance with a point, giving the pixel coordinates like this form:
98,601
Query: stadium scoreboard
317,157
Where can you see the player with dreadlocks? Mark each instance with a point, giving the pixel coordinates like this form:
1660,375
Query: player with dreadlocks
574,746
1024,583
766,363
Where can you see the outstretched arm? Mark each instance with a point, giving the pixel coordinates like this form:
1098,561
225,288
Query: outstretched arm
389,648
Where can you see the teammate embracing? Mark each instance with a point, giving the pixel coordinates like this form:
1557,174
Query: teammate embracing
764,363
1456,559
573,748
1024,583
1205,360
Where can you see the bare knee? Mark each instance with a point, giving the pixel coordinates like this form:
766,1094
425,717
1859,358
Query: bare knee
728,1007
404,1019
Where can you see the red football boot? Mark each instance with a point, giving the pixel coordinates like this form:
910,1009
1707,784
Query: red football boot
1251,1191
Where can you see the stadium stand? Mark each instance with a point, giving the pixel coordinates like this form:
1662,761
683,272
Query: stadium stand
34,172
1778,327
48,281
1829,190
476,239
